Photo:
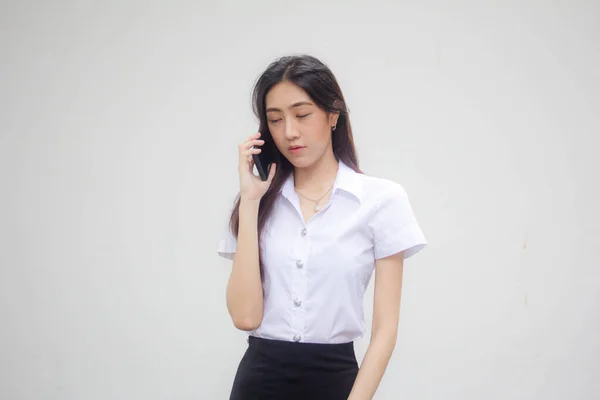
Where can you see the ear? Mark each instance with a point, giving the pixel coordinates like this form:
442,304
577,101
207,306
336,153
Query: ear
333,118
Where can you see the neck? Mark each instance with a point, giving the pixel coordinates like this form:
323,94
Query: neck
319,177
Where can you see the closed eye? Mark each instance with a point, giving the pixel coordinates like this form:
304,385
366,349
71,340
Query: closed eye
273,121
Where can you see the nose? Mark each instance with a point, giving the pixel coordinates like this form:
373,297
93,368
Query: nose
291,130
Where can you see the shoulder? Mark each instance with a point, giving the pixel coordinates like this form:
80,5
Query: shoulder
376,190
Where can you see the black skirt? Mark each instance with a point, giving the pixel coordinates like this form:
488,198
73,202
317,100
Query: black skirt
282,370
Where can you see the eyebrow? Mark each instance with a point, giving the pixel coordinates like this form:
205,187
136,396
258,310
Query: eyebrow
298,104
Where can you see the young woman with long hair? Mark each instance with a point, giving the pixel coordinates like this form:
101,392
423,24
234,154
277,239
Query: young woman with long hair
305,243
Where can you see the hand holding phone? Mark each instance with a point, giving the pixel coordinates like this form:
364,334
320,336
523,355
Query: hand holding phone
265,158
253,187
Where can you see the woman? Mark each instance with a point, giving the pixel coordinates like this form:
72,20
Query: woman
305,242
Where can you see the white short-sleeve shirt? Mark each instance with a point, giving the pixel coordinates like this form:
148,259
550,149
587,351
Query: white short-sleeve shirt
316,273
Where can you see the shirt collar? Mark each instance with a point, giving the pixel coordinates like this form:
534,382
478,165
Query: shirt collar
346,179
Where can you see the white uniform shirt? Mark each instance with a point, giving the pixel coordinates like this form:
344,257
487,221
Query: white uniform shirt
316,273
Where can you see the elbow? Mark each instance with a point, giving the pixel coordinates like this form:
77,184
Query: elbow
246,323
393,341
387,337
246,311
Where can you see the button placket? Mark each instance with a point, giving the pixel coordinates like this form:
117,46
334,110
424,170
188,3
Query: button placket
298,292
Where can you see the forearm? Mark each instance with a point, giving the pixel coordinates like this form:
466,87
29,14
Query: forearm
244,289
373,366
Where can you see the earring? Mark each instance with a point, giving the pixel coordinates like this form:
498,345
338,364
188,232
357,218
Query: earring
333,127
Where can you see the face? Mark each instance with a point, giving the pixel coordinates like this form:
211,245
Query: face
300,129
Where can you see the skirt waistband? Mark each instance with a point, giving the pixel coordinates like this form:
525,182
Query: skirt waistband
306,346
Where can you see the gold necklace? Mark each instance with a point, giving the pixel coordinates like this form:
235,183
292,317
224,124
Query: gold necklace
317,206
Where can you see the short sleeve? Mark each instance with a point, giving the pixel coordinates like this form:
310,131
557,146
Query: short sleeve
394,226
227,245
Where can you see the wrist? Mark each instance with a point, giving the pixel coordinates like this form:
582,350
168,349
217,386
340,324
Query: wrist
249,202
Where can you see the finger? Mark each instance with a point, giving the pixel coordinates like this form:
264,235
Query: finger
251,143
253,150
254,136
246,154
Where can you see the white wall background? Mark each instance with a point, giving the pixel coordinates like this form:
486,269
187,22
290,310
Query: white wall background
119,122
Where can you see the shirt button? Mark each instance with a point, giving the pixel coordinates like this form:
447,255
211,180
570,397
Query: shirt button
299,264
297,302
303,233
297,338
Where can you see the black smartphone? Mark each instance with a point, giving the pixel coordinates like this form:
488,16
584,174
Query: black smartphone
266,157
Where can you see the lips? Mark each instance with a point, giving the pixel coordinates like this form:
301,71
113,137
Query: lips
295,147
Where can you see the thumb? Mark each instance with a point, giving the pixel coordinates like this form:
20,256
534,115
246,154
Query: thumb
271,173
